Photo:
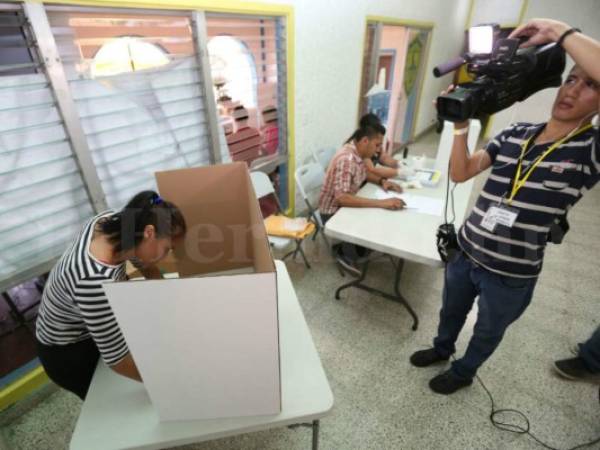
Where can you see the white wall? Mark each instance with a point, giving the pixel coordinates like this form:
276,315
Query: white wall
329,49
583,14
503,12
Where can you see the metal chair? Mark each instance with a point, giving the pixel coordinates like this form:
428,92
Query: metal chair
323,156
309,179
262,188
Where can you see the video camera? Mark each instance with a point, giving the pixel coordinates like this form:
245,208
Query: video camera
504,74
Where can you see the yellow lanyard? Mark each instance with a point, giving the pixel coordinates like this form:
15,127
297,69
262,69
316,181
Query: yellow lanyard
519,181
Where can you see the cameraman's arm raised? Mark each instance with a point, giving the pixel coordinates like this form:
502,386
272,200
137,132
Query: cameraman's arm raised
584,50
464,166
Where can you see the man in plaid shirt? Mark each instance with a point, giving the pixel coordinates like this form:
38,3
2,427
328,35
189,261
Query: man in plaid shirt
347,172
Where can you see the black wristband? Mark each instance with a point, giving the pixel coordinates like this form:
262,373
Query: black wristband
565,34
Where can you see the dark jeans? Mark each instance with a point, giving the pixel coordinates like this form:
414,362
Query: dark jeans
502,300
589,351
70,366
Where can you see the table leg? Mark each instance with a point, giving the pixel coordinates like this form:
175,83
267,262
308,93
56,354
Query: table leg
401,298
397,296
353,283
315,431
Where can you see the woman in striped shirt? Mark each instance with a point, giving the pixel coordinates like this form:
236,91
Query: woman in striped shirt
75,324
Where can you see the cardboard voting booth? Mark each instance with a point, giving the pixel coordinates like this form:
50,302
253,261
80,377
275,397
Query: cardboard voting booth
205,338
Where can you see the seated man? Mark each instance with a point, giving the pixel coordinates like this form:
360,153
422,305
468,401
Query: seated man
347,173
244,144
389,167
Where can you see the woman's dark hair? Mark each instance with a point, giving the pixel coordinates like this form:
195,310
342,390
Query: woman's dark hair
369,119
369,131
125,229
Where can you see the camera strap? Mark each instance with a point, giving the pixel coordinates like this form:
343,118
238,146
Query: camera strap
519,181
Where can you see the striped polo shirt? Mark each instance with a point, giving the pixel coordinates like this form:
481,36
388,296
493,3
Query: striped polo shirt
74,306
557,183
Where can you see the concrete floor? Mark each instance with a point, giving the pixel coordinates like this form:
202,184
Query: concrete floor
381,401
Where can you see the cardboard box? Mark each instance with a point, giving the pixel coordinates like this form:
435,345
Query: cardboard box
207,343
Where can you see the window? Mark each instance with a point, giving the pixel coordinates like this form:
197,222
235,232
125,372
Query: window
233,66
248,67
16,57
127,54
135,81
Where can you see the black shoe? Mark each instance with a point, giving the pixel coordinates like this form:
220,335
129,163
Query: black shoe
575,369
447,383
424,358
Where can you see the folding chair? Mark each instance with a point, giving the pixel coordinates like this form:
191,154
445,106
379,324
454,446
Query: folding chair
309,179
323,156
262,188
266,164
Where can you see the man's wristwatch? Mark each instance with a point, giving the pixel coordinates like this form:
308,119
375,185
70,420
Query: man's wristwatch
382,180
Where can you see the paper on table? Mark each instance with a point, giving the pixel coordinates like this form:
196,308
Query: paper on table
423,205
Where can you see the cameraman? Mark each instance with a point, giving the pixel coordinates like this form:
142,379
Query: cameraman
538,172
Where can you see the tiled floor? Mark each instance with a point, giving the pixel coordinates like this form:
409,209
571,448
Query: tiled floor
381,401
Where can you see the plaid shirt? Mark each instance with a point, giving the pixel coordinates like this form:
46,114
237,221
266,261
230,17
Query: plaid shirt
345,175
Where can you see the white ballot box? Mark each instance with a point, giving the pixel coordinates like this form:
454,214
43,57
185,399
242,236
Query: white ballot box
205,339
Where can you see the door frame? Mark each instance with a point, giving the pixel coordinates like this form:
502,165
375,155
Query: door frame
411,24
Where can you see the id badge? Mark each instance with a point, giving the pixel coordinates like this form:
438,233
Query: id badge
499,214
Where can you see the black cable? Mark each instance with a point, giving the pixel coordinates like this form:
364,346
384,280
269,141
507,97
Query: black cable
519,429
447,196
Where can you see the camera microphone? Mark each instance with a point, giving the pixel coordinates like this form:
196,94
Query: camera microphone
448,66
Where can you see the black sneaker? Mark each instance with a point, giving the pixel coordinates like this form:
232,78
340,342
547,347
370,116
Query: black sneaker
575,369
447,383
424,358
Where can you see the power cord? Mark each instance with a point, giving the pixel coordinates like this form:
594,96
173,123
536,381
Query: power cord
518,428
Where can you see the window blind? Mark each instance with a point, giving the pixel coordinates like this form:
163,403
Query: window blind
248,66
139,119
43,202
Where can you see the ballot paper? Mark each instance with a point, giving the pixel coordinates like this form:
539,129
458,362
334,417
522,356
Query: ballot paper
420,203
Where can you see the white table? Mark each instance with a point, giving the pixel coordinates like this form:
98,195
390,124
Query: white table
405,235
117,412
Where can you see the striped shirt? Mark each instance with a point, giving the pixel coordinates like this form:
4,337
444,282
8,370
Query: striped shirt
557,183
74,306
346,173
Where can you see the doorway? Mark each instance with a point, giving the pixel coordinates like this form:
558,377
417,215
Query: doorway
393,70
